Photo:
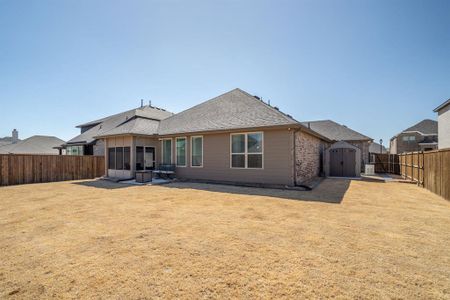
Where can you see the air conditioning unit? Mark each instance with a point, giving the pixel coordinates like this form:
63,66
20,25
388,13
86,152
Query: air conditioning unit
370,169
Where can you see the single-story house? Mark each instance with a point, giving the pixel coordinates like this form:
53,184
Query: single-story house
377,148
422,136
37,144
443,111
233,138
337,133
86,142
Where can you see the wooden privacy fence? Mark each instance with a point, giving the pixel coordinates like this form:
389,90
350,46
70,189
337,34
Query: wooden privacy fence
430,170
30,168
386,163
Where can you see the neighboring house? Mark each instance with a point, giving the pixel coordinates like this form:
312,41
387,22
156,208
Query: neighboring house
14,138
37,144
87,144
377,148
443,111
423,136
234,138
337,132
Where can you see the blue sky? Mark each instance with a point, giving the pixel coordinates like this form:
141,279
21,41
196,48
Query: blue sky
375,66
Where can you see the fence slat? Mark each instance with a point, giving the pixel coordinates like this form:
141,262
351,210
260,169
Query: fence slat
28,168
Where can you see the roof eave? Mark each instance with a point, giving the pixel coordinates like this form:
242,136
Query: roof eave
437,109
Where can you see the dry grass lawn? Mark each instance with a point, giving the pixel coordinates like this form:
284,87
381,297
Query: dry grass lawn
104,240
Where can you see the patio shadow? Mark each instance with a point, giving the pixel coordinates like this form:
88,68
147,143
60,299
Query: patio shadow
103,184
328,191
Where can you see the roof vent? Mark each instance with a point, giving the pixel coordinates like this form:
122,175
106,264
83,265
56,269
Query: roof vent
142,102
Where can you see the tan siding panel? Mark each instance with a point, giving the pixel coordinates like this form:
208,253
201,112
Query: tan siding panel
216,160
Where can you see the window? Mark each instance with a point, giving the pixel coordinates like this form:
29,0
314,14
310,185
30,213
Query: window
139,158
181,152
409,138
126,158
119,158
112,158
197,151
75,150
167,151
247,150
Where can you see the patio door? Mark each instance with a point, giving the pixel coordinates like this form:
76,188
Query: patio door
145,158
149,158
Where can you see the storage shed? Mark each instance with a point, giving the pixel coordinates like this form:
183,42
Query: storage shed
342,160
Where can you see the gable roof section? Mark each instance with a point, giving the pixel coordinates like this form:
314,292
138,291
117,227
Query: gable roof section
135,125
110,123
442,106
233,110
335,131
426,126
37,144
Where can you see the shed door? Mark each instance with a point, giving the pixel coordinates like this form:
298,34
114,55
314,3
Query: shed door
336,162
349,159
342,162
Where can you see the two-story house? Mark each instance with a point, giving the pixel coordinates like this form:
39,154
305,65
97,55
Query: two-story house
422,136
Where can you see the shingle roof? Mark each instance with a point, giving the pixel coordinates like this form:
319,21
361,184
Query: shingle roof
136,125
37,144
335,131
442,106
232,110
426,126
109,123
375,148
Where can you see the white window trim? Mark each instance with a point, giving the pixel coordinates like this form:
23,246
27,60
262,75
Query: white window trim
192,137
246,153
162,150
185,152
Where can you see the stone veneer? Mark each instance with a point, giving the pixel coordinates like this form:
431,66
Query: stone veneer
308,156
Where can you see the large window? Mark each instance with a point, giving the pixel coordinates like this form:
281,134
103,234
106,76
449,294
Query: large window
167,151
75,150
247,150
181,152
409,138
197,151
119,158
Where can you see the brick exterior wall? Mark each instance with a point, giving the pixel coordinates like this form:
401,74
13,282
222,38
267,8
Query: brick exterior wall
308,156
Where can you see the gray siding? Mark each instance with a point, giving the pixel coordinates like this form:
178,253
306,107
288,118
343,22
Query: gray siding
278,160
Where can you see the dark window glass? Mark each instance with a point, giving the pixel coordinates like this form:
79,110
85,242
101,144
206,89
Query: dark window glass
254,161
181,151
167,152
238,143
197,151
139,158
238,160
126,158
254,143
112,158
119,158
